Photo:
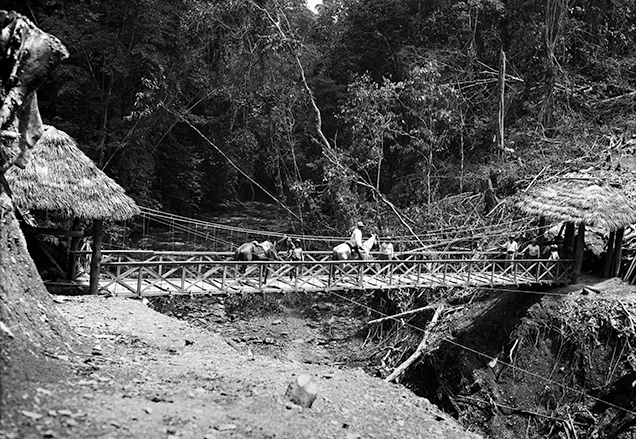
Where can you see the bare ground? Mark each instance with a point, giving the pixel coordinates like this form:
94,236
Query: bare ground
144,374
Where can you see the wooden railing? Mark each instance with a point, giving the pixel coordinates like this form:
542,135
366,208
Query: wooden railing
143,273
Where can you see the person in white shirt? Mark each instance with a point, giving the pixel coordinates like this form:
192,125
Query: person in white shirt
356,239
386,249
511,247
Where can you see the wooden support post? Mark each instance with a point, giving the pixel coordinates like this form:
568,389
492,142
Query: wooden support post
260,278
420,348
71,267
618,252
183,277
541,236
140,279
578,255
96,257
609,253
223,279
568,241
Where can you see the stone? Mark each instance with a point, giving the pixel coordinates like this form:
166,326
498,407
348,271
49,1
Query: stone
302,390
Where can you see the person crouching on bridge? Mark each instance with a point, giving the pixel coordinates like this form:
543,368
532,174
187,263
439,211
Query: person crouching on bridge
355,242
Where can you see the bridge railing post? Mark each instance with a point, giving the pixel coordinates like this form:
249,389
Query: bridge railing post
223,278
139,280
183,276
260,277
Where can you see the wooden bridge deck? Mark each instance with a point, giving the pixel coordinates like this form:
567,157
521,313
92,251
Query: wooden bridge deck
188,273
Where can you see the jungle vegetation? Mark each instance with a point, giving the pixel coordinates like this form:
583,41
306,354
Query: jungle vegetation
190,104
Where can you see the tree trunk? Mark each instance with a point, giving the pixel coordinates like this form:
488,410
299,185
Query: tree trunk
32,331
501,101
31,328
96,257
489,194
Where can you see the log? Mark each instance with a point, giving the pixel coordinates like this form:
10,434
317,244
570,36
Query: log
54,231
420,348
402,314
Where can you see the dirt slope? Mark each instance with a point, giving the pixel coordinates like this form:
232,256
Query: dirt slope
147,375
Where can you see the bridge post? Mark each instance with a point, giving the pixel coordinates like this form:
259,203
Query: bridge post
260,277
470,265
223,278
139,278
183,275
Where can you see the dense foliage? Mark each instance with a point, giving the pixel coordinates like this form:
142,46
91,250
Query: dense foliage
192,103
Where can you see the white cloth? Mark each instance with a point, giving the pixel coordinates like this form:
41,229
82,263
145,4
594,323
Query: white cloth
511,246
356,237
387,249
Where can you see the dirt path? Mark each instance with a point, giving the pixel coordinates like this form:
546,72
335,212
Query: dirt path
148,375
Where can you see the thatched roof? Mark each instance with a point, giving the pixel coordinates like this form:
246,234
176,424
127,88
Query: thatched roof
61,178
579,198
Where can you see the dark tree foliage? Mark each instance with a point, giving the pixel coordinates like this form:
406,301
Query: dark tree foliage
181,100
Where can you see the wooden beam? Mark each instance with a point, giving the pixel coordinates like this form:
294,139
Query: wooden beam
75,242
98,234
55,231
578,253
617,254
607,264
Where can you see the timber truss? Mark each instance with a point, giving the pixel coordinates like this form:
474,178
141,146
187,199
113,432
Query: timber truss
143,273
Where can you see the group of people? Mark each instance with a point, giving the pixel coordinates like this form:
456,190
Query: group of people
531,251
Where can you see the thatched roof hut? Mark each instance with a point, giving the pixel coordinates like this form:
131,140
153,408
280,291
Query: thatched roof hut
584,200
580,198
61,178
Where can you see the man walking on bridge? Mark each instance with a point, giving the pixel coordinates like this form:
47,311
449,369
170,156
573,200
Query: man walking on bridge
356,239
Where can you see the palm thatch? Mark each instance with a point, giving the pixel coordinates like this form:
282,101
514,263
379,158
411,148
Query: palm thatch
579,198
61,178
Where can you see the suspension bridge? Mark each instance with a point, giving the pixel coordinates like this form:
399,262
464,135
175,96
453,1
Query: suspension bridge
141,273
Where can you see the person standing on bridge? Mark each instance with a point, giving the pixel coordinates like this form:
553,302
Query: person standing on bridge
532,250
511,247
296,255
356,239
386,249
